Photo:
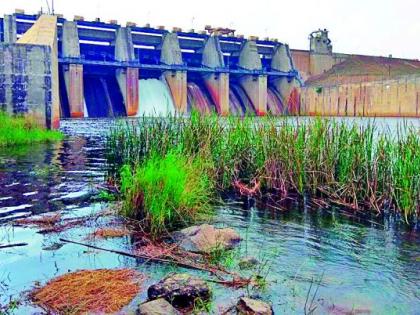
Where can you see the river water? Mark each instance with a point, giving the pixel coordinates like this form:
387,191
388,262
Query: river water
341,264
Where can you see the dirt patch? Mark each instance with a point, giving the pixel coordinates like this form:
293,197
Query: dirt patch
89,291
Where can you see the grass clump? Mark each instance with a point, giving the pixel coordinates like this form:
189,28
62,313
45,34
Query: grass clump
166,192
21,130
221,256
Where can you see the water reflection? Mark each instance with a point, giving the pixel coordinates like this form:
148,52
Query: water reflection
43,178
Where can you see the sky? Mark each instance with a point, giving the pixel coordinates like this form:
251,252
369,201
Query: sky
372,27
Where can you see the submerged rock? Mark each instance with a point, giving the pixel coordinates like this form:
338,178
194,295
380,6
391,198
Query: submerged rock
157,307
248,262
205,237
248,306
335,309
181,290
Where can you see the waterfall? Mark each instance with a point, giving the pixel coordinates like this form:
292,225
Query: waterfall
246,104
198,100
85,111
155,99
235,107
103,96
274,104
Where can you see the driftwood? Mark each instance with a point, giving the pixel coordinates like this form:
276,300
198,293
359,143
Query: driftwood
13,245
145,257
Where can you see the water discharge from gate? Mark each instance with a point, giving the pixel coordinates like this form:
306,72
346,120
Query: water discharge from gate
198,99
155,99
274,104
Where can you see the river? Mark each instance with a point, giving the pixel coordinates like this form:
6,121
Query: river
346,266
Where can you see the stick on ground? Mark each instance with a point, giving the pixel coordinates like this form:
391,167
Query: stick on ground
147,258
13,245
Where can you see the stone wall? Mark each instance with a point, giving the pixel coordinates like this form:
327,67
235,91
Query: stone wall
25,81
399,97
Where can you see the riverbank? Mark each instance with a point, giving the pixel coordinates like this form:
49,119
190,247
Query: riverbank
17,131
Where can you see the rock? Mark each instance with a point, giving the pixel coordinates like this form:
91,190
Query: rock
181,290
157,307
247,306
335,309
248,262
204,238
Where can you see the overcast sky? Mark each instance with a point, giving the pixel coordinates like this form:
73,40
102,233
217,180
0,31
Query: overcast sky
374,27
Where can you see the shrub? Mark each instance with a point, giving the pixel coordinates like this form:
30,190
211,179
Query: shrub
167,191
21,130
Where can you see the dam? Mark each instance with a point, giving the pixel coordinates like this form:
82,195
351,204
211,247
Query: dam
53,68
108,70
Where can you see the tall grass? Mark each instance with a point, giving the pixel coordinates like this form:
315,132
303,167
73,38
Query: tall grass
166,191
16,131
346,164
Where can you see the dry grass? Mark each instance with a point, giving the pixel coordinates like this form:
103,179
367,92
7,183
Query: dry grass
109,233
44,221
52,223
89,291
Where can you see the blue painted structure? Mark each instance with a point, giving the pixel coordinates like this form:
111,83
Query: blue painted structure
98,53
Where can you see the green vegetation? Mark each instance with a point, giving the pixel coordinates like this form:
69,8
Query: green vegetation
166,192
343,164
202,307
221,256
10,308
16,131
105,196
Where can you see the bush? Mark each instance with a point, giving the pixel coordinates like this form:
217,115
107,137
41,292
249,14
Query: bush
166,192
23,130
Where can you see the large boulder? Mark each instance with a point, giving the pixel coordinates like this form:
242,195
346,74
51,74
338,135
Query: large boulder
181,290
157,307
204,238
248,306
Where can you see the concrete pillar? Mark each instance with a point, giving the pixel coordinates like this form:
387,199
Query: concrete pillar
282,61
73,73
128,78
218,83
255,86
177,80
9,28
44,32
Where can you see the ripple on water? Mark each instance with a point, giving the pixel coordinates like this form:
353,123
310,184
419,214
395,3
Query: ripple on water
361,266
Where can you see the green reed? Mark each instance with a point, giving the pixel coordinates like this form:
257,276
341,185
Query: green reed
346,164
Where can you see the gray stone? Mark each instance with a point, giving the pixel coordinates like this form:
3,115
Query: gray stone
181,290
204,238
157,307
248,306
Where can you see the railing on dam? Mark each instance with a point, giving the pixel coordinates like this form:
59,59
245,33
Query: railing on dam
97,41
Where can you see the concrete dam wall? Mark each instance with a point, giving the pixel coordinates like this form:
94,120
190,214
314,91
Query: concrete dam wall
55,68
25,81
107,70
